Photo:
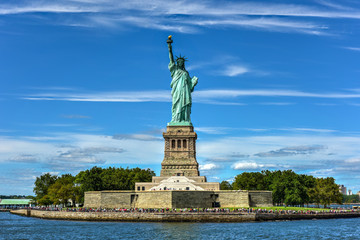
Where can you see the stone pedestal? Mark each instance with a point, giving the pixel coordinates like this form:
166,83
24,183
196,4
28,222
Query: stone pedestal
180,152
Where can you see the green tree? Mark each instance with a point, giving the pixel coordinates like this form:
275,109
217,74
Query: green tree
42,185
325,192
98,179
351,198
225,185
288,187
249,181
90,180
294,188
45,201
63,190
308,182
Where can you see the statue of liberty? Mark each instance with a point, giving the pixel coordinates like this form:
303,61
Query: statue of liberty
182,86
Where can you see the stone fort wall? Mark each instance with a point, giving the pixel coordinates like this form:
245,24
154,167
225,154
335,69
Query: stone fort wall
177,199
260,199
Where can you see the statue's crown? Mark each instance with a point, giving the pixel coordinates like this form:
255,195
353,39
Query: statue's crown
181,57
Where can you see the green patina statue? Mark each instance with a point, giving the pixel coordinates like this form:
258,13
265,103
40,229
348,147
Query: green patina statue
182,86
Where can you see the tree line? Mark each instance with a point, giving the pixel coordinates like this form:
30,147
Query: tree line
288,188
52,189
355,198
16,197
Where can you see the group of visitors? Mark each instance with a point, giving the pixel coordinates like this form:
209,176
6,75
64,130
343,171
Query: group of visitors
199,210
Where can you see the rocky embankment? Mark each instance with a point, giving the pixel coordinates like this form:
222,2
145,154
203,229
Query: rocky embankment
177,216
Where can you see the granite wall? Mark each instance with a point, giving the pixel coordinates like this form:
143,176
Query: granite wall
233,198
260,199
177,199
154,199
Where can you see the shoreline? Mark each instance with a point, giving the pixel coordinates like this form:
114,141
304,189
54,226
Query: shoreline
177,216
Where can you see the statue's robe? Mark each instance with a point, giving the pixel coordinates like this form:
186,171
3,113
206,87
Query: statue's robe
182,87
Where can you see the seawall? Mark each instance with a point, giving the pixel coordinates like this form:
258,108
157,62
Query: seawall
176,217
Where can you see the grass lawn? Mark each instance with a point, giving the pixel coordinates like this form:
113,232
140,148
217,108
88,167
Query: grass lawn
290,208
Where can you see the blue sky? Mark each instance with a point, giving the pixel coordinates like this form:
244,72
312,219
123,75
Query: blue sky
85,83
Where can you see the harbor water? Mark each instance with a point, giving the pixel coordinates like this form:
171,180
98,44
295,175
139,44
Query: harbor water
18,227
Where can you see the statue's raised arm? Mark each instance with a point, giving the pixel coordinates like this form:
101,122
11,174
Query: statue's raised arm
182,85
169,42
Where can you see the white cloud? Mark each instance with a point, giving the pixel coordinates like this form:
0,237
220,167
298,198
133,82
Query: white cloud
213,130
250,166
75,116
353,48
140,137
160,14
265,23
209,166
256,129
26,158
70,152
231,180
79,149
203,96
234,70
51,173
326,104
322,172
277,103
144,96
218,93
292,150
48,8
214,177
336,149
352,160
317,130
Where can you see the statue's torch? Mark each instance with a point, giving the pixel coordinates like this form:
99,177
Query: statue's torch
169,40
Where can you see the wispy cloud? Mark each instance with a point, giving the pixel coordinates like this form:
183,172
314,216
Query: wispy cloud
77,149
289,151
265,23
36,7
213,130
326,104
203,96
70,152
80,158
251,166
352,160
234,70
187,16
25,158
343,169
217,93
333,5
75,116
353,48
295,150
277,103
140,137
316,130
145,96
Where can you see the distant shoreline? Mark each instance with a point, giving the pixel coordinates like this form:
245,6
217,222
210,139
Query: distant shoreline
177,216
